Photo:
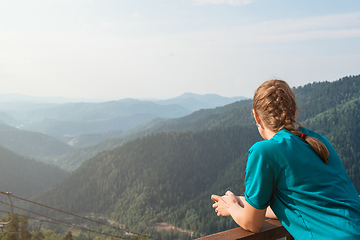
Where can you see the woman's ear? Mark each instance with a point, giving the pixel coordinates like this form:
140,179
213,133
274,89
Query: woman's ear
257,119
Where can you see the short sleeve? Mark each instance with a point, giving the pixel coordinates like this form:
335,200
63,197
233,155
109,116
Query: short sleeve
260,180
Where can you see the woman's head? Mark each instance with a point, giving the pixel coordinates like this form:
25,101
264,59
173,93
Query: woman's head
274,102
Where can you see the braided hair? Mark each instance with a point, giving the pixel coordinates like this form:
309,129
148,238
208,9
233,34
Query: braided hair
274,102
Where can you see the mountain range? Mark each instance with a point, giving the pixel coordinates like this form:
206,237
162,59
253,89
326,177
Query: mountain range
165,170
74,119
168,169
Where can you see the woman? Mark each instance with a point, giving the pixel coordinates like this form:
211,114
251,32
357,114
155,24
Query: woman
295,176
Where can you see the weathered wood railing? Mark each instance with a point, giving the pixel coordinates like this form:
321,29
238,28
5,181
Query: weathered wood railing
271,230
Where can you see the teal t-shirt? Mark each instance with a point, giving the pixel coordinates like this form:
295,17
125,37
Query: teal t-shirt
311,199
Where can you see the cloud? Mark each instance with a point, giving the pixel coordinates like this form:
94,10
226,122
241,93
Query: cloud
137,15
230,2
108,24
61,1
170,54
341,26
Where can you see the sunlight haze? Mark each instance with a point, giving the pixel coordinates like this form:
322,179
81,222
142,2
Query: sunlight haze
115,49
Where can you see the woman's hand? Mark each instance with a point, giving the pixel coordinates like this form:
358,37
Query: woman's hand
222,204
240,210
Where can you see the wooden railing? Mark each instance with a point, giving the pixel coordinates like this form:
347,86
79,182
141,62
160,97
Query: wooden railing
271,230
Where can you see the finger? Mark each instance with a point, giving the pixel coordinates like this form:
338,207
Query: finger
215,198
215,205
228,193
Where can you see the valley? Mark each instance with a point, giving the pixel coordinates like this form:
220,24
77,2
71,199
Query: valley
159,173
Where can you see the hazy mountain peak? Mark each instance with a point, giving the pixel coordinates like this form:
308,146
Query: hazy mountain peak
196,102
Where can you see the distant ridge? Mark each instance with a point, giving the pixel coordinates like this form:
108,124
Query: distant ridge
211,99
86,118
196,102
76,118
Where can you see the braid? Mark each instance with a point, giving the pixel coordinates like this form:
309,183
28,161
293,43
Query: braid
274,102
318,147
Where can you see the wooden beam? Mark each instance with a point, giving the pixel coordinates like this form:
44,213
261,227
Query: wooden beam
271,230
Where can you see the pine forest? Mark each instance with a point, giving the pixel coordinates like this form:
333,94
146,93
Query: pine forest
160,172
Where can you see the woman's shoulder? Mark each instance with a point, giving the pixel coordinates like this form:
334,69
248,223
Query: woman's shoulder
264,146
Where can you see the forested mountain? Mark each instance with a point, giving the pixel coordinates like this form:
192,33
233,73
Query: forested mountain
72,160
87,140
26,177
157,178
310,98
169,173
79,118
341,126
32,144
237,113
315,98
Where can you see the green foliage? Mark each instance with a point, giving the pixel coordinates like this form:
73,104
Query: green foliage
341,127
168,173
49,235
75,158
26,177
88,140
17,229
31,144
238,113
318,97
68,236
152,179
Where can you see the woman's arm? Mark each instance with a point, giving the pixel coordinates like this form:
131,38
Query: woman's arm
269,212
245,216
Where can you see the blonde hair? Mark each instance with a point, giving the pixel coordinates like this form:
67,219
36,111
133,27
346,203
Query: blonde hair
274,102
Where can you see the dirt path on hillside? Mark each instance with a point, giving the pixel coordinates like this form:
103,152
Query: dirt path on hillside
168,227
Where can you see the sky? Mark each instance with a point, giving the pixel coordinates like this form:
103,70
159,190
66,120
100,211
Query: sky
115,49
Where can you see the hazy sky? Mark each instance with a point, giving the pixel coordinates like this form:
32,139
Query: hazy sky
163,48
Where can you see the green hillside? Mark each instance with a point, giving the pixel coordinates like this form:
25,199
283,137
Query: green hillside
72,160
312,99
169,174
87,140
26,177
238,113
341,126
318,97
148,178
32,144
